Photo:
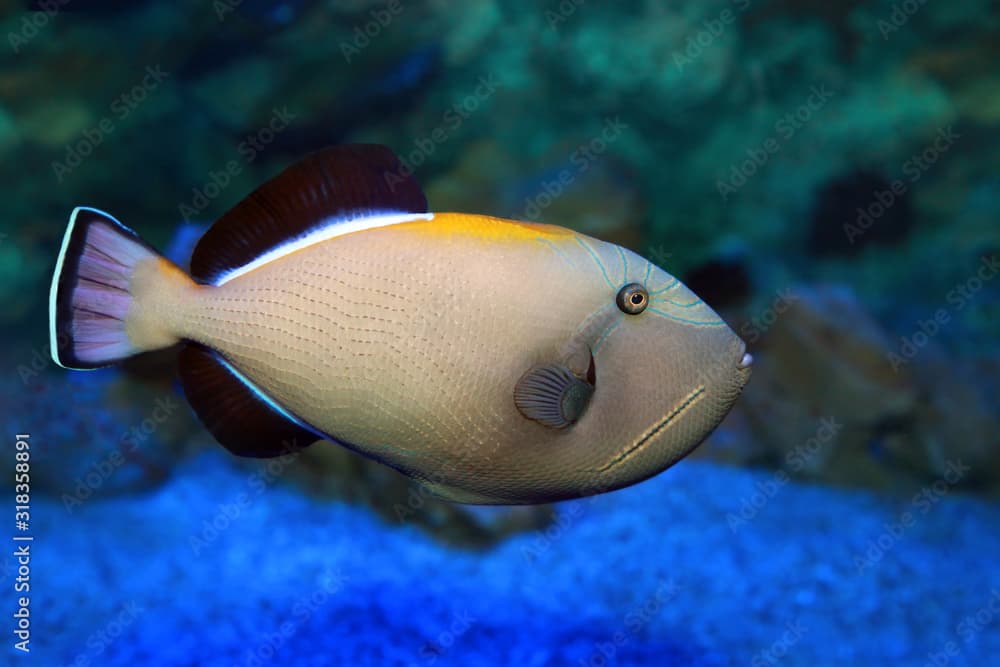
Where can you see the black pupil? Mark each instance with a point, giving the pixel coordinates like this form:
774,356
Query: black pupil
636,299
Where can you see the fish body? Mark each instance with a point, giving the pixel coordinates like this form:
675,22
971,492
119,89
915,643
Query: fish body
488,358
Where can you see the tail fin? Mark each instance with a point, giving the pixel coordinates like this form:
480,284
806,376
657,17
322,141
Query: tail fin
93,292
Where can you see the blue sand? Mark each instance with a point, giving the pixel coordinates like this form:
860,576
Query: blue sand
651,575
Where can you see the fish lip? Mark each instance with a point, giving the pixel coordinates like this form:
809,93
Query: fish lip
745,363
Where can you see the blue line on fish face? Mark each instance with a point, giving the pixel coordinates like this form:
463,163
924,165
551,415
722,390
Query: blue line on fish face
697,323
597,260
621,253
607,332
559,251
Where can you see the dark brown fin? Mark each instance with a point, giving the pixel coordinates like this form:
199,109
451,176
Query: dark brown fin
553,396
335,184
241,418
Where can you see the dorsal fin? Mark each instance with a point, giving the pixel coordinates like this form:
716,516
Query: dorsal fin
337,185
238,414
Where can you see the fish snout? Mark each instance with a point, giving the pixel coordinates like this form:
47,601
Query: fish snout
745,364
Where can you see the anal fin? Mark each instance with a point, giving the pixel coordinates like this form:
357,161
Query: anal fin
241,417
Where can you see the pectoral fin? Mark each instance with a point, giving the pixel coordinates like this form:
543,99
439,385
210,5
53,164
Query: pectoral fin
553,395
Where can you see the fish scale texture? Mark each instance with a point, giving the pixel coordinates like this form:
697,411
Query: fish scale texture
650,575
407,341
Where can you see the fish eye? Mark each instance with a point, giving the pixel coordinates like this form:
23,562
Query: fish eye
632,299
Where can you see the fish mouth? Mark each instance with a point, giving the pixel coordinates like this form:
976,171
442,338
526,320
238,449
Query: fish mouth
745,364
683,406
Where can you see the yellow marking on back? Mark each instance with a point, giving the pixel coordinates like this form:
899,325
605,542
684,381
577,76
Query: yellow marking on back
487,228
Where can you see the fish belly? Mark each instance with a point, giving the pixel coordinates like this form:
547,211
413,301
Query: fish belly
404,343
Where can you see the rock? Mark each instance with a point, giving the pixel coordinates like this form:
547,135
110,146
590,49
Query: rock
856,209
955,420
827,402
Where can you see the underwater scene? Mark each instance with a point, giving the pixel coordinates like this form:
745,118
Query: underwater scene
498,332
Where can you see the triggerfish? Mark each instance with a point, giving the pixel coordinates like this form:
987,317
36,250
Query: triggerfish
495,361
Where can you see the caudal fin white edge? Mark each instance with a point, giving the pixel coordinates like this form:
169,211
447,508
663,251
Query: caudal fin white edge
91,294
57,274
